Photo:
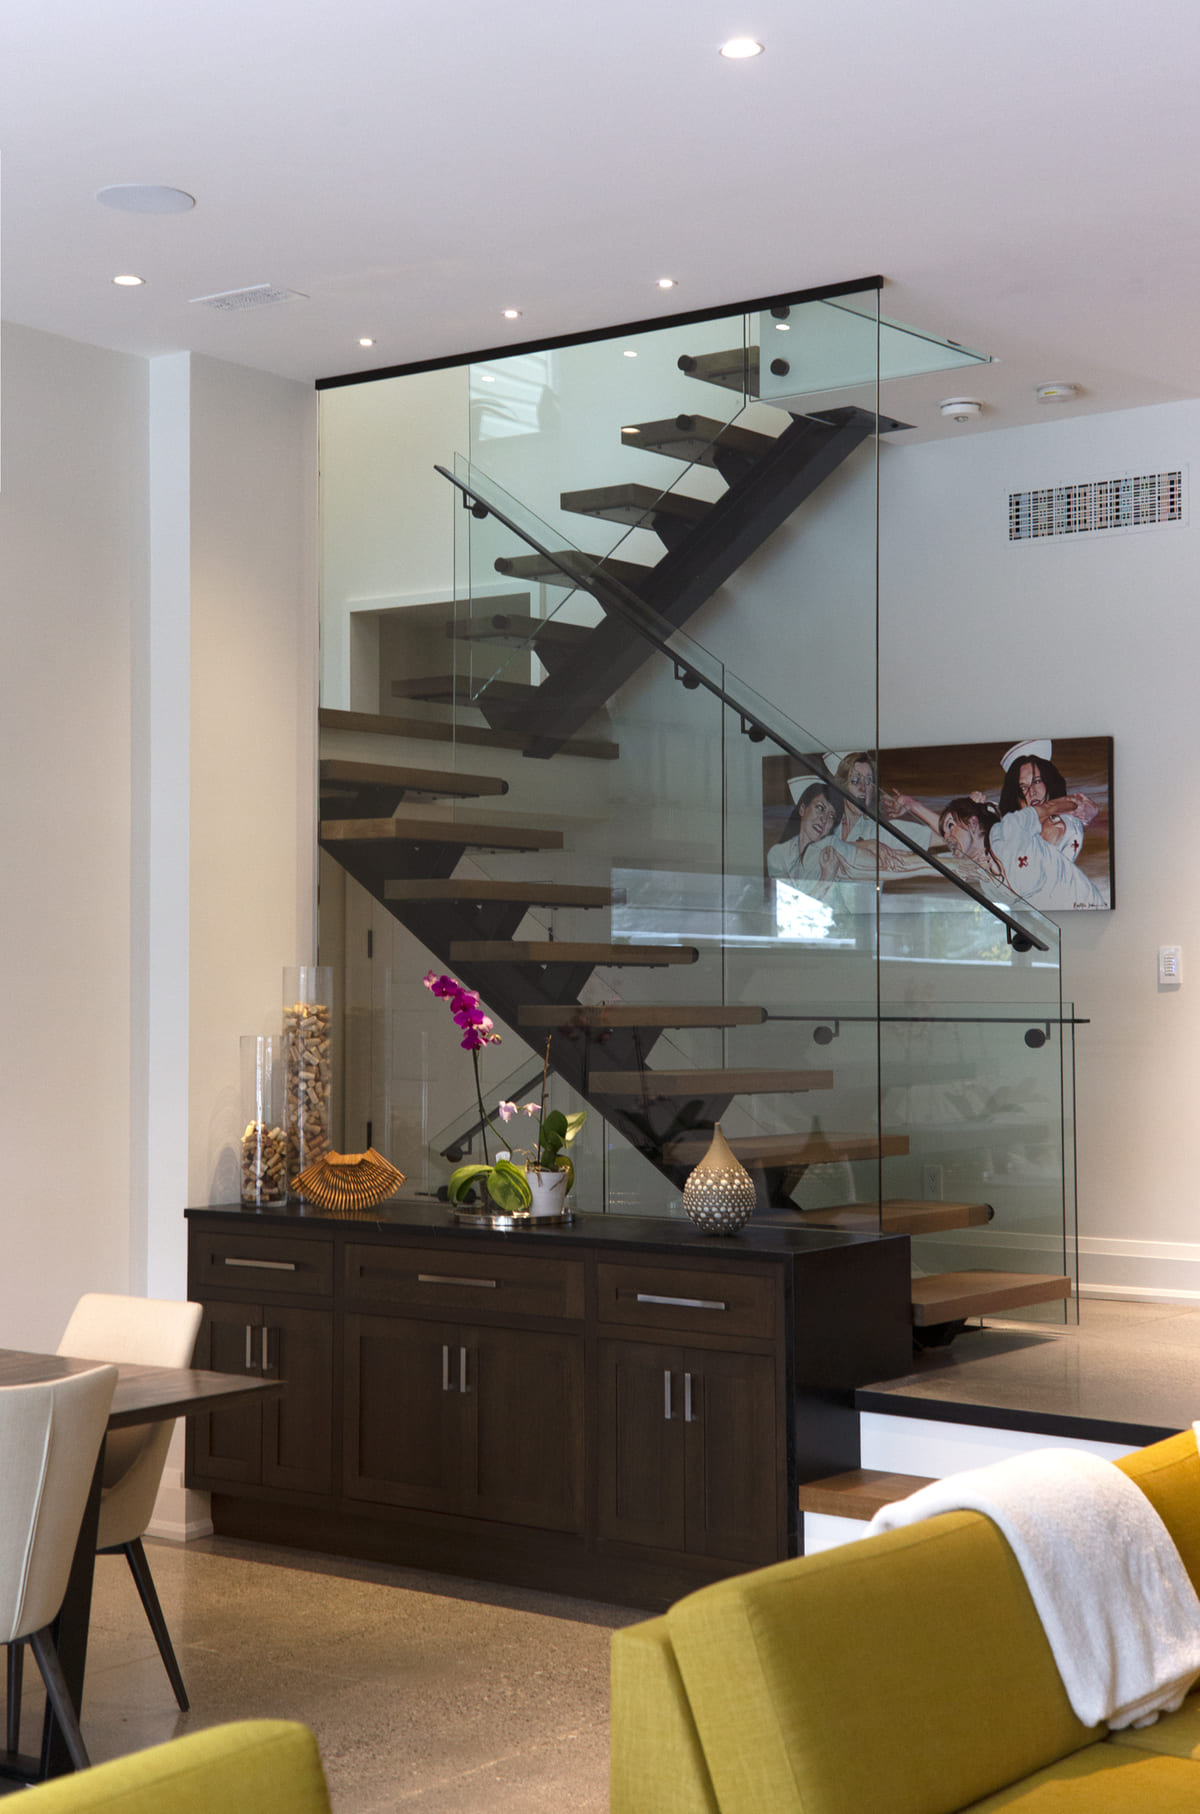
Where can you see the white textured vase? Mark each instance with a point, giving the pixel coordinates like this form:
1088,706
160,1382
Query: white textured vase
549,1190
719,1195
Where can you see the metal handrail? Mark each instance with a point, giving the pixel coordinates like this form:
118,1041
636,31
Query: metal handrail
646,621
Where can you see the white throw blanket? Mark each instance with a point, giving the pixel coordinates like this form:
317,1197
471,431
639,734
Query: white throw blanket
1120,1613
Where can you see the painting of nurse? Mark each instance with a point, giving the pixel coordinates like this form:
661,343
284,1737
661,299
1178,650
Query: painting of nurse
1035,813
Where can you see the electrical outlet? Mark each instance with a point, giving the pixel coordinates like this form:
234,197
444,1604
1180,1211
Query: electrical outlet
931,1182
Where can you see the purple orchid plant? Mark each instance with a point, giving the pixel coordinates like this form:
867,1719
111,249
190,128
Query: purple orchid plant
506,1182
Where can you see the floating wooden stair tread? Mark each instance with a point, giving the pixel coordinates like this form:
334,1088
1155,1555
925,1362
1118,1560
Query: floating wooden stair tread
901,1216
859,1493
707,1083
515,629
438,831
535,894
446,689
792,1149
638,1014
584,569
697,440
441,730
566,951
634,504
736,368
431,781
947,1297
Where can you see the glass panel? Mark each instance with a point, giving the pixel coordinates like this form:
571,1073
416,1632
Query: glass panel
815,347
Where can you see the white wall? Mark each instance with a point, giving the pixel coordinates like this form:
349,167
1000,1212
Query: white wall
157,718
982,638
73,569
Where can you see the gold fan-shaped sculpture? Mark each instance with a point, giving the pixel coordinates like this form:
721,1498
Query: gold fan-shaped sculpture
348,1181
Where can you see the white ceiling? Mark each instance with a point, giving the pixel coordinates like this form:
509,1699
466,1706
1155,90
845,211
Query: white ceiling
1021,173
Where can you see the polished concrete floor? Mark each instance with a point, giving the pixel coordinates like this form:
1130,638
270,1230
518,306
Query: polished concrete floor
426,1694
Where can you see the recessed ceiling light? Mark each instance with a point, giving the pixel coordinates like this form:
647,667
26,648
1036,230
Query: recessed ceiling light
145,198
631,431
737,48
365,342
783,327
487,378
666,283
512,314
128,281
1056,393
629,353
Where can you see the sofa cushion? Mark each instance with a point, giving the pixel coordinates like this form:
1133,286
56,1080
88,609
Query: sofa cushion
1103,1780
268,1766
1169,1475
904,1674
657,1759
1176,1734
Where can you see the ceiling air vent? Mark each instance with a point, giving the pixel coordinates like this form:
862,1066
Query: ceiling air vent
256,297
1145,500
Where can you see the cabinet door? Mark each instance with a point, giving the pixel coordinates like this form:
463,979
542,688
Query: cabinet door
523,1422
403,1432
640,1461
297,1429
733,1467
226,1447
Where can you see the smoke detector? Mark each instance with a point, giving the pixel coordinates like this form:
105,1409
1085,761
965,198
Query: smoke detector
961,409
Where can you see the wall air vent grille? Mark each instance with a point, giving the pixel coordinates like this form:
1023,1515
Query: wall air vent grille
257,297
1146,500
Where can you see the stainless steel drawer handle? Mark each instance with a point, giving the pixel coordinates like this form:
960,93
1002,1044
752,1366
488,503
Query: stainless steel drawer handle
667,1394
462,1371
688,1412
445,1278
650,1297
446,1386
263,1265
249,1340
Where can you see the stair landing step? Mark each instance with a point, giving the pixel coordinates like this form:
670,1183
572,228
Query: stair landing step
438,831
516,629
859,1493
535,894
634,504
947,1297
901,1216
566,951
736,368
449,689
793,1149
743,1082
584,569
436,783
441,730
639,1014
697,440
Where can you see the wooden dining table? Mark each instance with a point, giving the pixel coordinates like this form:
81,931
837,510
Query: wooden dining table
142,1395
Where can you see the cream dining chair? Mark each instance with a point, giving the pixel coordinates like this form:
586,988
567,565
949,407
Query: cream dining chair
50,1436
147,1332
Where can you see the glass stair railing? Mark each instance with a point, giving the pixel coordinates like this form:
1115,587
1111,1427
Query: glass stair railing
846,1009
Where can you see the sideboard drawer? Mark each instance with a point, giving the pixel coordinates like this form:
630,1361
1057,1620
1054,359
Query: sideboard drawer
266,1265
732,1301
457,1280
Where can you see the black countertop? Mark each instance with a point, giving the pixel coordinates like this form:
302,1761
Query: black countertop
656,1234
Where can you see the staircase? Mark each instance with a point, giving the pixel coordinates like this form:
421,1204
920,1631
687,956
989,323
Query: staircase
649,1032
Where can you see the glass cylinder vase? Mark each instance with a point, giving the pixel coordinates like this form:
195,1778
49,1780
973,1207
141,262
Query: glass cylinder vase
307,1066
264,1150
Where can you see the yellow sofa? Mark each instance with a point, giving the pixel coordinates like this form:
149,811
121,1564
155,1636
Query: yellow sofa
904,1674
261,1766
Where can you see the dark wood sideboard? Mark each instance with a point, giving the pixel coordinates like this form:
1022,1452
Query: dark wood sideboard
621,1409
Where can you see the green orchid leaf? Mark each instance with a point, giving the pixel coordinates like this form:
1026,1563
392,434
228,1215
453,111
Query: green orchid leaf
554,1126
508,1186
462,1179
574,1123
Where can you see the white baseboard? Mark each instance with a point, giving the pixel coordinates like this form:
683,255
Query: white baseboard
180,1513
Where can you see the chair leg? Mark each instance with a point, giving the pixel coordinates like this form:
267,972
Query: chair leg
59,1696
139,1567
16,1674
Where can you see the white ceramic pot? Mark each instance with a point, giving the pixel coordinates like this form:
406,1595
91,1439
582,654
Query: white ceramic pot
549,1190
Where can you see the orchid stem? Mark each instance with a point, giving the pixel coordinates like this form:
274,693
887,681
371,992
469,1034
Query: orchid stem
483,1120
